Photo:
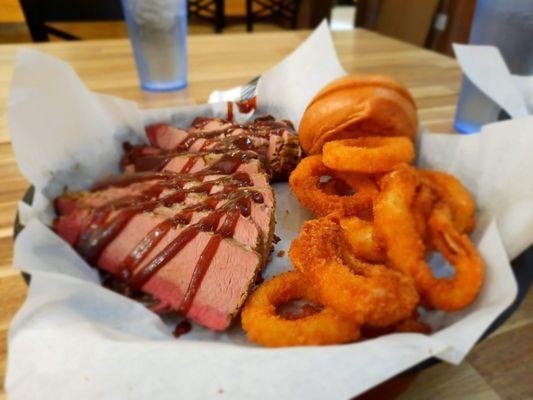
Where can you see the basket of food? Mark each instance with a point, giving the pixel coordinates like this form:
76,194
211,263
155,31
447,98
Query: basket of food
314,231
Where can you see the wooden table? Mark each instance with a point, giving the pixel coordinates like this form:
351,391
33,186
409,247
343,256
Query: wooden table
500,367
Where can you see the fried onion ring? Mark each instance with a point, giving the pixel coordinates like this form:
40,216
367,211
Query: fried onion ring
263,325
365,293
458,250
408,325
339,184
412,325
331,187
396,231
368,155
450,189
422,207
305,183
360,236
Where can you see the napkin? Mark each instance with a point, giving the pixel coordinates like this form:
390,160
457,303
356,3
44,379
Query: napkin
486,68
73,338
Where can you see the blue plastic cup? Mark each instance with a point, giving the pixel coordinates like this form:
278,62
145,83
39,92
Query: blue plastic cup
507,24
158,33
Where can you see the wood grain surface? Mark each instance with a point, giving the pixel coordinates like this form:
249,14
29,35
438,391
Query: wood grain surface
498,368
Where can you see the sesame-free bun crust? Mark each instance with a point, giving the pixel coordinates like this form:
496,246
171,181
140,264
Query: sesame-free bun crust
358,105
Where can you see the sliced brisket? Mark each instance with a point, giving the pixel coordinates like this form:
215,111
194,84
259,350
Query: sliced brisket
274,142
190,222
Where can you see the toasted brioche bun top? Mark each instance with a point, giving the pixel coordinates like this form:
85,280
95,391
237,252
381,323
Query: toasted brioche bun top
358,105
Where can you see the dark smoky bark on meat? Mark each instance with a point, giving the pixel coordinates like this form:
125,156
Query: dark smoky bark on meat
189,224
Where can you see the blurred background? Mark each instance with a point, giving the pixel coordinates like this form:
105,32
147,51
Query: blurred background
433,24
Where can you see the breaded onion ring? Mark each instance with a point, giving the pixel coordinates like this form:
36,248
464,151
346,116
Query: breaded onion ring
360,235
422,207
458,250
340,183
334,187
396,231
305,183
368,155
412,325
365,293
408,325
263,325
437,186
450,189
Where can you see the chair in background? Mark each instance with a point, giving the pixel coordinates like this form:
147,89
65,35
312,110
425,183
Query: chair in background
434,24
408,20
452,25
209,10
281,11
313,12
39,13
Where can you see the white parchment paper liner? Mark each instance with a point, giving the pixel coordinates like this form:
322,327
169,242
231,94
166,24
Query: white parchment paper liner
75,339
486,68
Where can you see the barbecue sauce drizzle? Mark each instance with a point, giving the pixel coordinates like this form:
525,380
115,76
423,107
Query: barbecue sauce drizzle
158,162
102,229
221,140
244,107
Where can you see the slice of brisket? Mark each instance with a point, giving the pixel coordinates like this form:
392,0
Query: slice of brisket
191,221
274,142
124,188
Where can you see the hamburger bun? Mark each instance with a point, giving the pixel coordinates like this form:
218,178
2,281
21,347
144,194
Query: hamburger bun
358,105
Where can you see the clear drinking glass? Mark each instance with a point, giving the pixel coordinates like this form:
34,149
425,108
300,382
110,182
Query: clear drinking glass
158,33
507,24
